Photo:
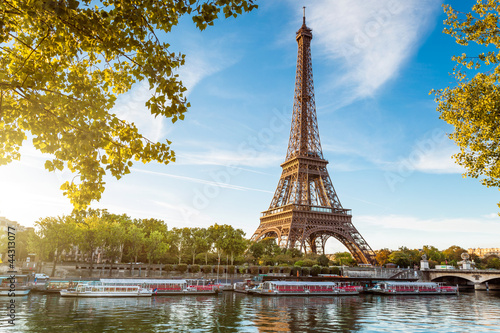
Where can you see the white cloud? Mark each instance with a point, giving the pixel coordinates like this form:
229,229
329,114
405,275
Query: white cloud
431,154
370,39
202,181
491,216
441,225
252,158
439,160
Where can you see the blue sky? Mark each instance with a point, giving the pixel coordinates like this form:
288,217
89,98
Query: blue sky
374,64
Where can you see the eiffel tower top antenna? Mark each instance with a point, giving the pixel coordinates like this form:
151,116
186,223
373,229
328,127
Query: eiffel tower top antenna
304,18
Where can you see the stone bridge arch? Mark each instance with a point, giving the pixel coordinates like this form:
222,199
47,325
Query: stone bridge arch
473,278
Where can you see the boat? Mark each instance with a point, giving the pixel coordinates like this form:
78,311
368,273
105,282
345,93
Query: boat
305,288
169,286
241,287
413,288
14,285
203,287
257,289
57,286
97,289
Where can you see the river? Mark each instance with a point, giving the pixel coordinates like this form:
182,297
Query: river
231,312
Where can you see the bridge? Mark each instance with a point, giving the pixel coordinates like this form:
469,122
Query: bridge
465,278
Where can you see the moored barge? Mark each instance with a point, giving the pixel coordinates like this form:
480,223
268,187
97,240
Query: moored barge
169,286
413,288
305,288
96,289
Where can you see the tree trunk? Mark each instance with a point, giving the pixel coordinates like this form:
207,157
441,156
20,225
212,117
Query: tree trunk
149,266
232,253
121,253
56,257
91,262
111,267
194,255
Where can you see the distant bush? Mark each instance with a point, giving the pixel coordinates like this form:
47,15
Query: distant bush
295,270
230,269
194,268
168,268
323,260
181,268
264,269
325,270
254,270
299,263
306,271
335,270
315,270
243,269
309,263
286,270
207,269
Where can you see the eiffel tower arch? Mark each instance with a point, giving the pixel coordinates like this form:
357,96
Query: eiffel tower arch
305,210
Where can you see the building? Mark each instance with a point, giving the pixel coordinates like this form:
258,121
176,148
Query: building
481,253
6,223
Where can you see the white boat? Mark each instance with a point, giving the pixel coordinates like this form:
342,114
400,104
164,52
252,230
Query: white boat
106,290
168,286
16,286
305,288
413,288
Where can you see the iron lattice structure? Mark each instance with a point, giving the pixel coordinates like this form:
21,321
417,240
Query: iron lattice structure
305,210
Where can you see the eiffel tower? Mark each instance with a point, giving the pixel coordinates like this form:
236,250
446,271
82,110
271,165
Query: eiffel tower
305,210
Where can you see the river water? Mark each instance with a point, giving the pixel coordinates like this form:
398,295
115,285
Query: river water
231,312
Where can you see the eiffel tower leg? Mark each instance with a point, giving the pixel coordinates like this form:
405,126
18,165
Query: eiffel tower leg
324,238
312,244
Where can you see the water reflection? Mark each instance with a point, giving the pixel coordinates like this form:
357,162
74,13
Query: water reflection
232,312
300,314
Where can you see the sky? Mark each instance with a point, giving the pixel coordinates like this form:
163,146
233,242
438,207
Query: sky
374,64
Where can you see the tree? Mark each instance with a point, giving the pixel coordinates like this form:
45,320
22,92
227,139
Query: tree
37,245
114,235
197,241
232,241
257,250
63,64
405,257
202,241
454,253
400,258
150,225
58,235
135,240
472,106
382,256
433,253
155,247
89,233
344,258
323,260
177,239
493,262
